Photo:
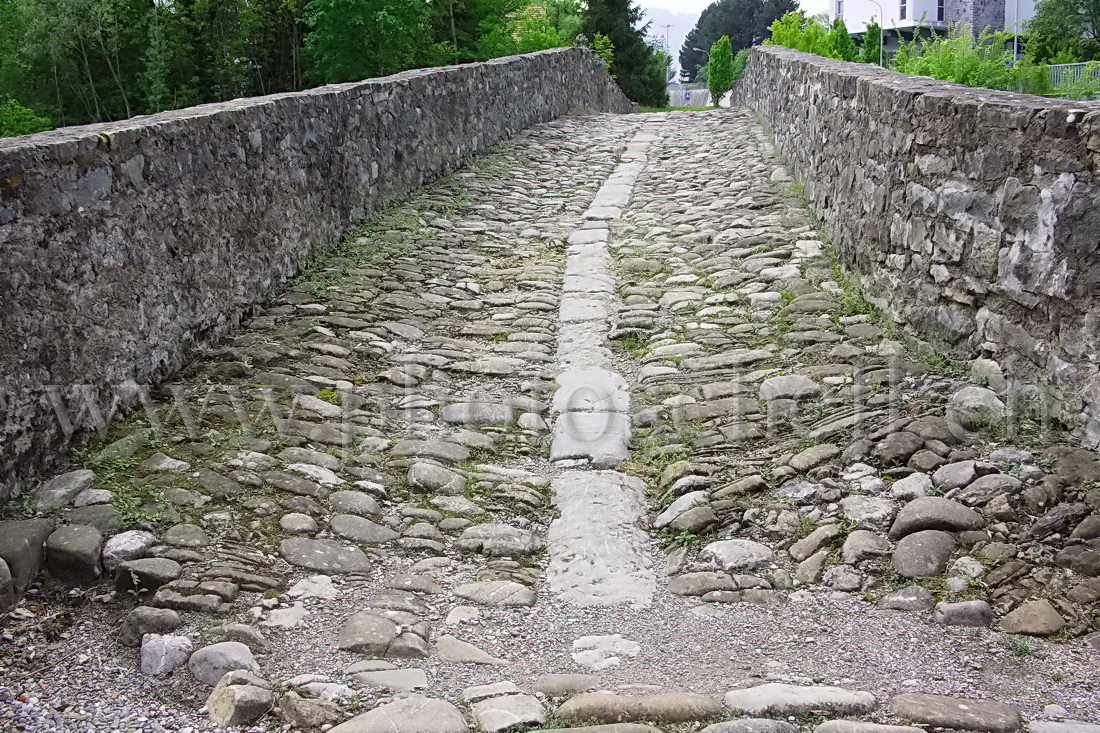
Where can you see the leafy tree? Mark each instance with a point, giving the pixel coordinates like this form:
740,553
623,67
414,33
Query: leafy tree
357,39
843,47
635,67
15,119
739,62
1069,22
870,53
744,22
602,47
720,69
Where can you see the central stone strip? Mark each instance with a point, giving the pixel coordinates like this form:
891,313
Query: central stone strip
597,552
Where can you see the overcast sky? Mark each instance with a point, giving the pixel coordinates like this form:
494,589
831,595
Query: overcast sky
681,15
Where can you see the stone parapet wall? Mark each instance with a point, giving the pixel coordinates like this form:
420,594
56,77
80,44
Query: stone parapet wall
971,216
125,245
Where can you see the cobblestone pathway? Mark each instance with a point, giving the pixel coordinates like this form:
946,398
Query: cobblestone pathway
591,432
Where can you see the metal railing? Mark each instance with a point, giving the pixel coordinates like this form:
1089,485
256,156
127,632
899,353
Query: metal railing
1061,73
688,95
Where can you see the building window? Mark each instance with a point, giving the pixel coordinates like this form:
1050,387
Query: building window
840,8
901,12
940,10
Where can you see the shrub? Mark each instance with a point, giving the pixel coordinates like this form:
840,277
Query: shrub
739,63
15,119
960,57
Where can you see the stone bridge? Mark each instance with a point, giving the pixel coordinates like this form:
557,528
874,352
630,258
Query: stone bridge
597,431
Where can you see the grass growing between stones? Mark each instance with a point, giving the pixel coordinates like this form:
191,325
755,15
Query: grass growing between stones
1020,646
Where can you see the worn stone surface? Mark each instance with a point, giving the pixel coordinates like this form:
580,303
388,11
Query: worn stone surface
1037,319
781,699
222,278
414,713
605,707
959,713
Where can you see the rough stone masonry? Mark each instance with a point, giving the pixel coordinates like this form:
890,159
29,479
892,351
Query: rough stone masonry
970,215
126,244
379,504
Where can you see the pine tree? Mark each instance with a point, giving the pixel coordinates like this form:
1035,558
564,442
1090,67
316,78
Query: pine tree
635,67
844,48
872,44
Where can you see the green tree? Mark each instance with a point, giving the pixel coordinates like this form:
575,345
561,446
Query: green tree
15,119
870,53
635,67
603,48
739,62
744,22
1076,22
356,39
156,79
720,69
843,47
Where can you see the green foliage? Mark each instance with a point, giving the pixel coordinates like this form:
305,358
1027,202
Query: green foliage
356,39
635,66
795,30
870,52
1022,647
744,22
1066,25
843,47
1085,87
960,57
720,69
81,61
601,46
15,119
739,61
530,28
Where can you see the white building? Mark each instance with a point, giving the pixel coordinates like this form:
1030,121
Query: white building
904,16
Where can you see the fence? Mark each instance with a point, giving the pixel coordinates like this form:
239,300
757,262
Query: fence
688,95
1061,73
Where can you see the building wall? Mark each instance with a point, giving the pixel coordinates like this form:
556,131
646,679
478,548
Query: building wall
970,216
125,245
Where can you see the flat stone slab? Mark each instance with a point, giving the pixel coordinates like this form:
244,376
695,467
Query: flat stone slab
856,726
596,549
780,699
360,529
610,728
591,390
751,725
669,707
600,438
452,649
496,593
575,309
726,360
61,490
400,680
732,555
413,713
499,540
960,713
324,556
505,712
439,450
478,413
